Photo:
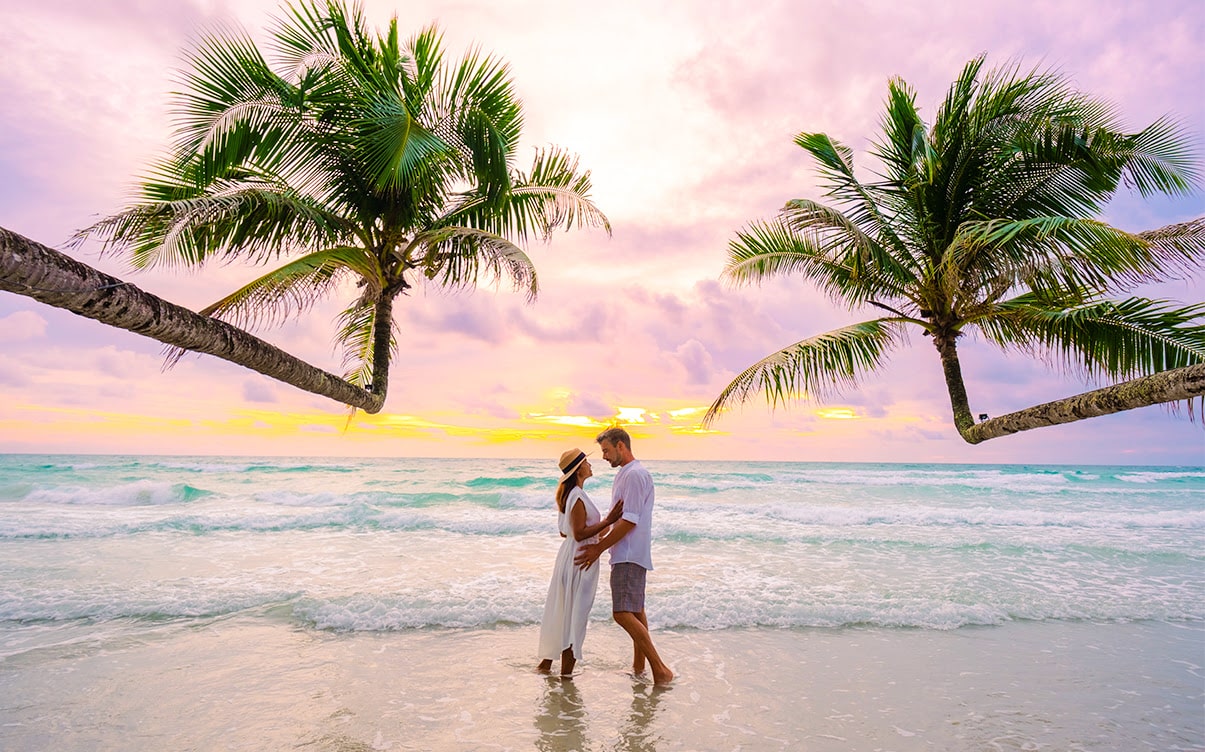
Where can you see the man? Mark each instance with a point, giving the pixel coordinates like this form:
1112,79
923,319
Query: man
630,541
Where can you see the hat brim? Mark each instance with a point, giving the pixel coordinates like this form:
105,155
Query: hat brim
572,471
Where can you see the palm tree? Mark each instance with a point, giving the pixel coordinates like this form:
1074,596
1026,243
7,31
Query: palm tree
983,221
357,159
48,276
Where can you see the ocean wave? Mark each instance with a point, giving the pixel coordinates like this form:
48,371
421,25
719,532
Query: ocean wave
520,481
486,603
346,517
986,517
157,602
162,508
703,595
1160,476
138,493
722,609
1005,479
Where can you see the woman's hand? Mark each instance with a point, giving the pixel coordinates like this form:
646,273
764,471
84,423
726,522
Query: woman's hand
615,513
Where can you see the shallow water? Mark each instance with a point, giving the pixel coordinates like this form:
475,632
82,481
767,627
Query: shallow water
280,603
250,683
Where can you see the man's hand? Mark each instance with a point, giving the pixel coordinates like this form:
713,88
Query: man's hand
587,555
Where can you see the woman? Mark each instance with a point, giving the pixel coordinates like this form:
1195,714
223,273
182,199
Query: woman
571,592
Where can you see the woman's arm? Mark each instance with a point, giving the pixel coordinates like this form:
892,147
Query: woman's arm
582,531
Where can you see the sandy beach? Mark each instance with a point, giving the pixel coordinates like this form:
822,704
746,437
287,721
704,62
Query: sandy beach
251,684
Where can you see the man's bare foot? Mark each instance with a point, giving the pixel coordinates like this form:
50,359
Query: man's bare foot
545,667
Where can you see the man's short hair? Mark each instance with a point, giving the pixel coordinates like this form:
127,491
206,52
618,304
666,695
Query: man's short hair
614,435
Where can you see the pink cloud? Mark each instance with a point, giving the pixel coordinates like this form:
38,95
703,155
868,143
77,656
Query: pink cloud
685,114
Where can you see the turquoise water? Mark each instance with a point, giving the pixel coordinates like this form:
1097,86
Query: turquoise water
152,603
366,544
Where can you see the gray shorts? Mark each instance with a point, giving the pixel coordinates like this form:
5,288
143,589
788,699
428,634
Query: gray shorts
627,587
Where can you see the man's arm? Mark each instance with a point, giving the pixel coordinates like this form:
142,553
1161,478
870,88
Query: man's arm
588,554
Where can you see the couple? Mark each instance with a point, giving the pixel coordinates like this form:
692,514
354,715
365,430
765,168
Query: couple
627,532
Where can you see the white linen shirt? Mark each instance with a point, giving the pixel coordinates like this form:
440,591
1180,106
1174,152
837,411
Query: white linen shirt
634,486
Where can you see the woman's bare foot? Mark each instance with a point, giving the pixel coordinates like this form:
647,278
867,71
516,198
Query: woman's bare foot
664,676
545,667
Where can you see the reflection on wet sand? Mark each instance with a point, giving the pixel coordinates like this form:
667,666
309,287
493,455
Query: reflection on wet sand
562,720
638,733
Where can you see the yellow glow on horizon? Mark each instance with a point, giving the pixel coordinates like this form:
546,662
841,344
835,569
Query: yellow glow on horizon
580,421
837,413
631,415
200,428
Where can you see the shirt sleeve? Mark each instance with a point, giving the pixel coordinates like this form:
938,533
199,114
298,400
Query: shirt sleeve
636,490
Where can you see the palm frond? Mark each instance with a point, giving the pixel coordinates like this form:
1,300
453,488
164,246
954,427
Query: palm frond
355,334
398,150
1178,250
458,257
864,205
838,237
291,289
814,368
768,249
903,147
303,39
1161,158
1101,338
180,226
554,195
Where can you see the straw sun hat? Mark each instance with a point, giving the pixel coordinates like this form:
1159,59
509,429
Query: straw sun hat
571,459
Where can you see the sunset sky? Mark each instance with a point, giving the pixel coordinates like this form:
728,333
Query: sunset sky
685,114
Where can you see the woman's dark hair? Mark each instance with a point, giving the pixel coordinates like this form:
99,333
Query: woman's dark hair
564,487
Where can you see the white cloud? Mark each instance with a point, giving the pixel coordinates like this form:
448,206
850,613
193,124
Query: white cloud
22,326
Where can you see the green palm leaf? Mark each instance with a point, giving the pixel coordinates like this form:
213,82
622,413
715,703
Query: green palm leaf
458,257
816,367
357,325
768,249
1114,339
290,289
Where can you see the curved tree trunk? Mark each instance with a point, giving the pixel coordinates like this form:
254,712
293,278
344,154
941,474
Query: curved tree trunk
950,366
31,269
1168,386
382,331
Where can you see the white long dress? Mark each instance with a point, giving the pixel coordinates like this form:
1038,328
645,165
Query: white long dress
571,592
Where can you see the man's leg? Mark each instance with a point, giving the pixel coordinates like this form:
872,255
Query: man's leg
627,607
637,656
642,644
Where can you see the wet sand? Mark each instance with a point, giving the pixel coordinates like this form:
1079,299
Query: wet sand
253,683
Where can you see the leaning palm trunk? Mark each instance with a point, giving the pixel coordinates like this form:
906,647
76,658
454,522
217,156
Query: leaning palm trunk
31,269
952,368
1176,385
